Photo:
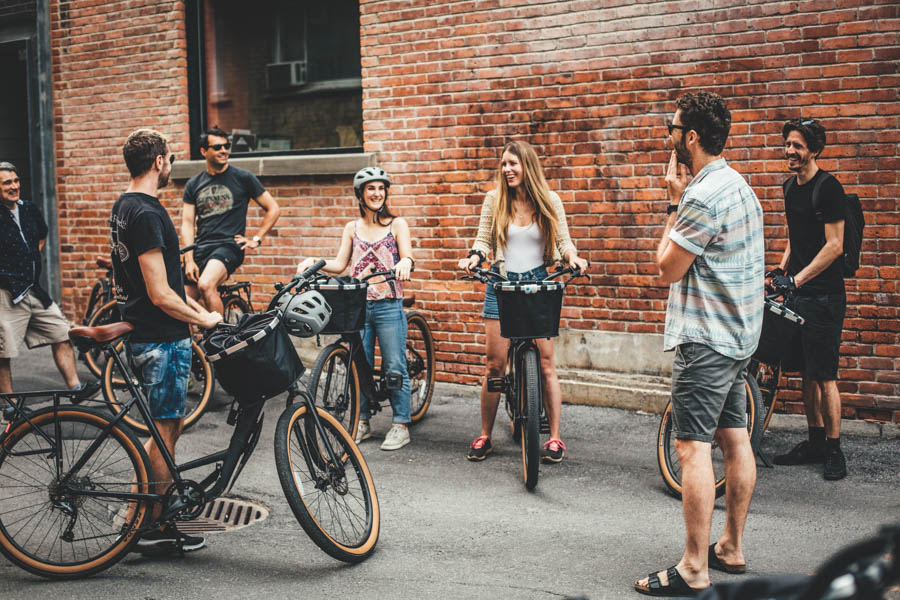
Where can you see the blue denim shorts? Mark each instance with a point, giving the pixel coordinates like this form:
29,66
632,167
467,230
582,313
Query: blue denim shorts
164,369
490,310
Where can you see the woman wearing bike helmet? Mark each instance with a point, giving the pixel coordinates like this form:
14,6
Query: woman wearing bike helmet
523,225
379,241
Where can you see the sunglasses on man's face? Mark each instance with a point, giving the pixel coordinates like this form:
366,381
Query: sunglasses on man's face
671,126
217,147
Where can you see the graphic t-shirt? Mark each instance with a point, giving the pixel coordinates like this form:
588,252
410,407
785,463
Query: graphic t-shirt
221,201
807,233
139,223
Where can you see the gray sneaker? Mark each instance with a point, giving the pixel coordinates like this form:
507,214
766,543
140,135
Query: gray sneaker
363,431
397,437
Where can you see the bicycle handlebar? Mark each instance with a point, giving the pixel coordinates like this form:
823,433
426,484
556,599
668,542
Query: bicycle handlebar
485,276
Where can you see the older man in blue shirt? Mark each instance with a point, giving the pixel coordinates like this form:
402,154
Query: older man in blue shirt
26,311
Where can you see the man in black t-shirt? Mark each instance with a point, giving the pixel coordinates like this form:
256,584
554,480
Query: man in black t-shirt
810,270
217,200
150,293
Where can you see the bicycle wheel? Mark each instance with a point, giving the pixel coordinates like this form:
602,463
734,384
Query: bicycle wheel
420,363
106,314
335,503
667,456
46,526
530,406
235,308
201,384
767,378
330,389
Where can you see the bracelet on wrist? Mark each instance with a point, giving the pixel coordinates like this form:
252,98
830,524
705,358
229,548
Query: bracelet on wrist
477,253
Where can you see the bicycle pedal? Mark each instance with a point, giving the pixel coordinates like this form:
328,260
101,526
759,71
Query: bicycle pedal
545,424
394,381
496,384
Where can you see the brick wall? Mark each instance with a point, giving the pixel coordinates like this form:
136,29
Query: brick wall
446,84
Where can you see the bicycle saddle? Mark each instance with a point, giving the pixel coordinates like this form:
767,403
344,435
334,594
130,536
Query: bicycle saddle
409,300
104,262
101,334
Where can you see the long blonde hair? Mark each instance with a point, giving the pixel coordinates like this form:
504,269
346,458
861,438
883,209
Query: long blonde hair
535,189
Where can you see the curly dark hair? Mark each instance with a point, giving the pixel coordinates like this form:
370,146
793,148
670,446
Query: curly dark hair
141,149
812,131
706,113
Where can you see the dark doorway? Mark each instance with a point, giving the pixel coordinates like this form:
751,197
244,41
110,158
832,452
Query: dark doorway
14,143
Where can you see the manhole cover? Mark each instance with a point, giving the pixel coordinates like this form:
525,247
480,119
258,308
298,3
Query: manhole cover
225,514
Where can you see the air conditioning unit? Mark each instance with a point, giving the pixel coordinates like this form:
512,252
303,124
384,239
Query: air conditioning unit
286,75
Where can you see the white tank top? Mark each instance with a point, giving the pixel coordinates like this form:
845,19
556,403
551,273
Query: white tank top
524,249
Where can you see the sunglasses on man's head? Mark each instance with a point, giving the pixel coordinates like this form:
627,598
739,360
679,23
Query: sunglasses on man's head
217,147
803,122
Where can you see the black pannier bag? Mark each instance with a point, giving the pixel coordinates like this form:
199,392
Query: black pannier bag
529,310
347,298
777,333
254,358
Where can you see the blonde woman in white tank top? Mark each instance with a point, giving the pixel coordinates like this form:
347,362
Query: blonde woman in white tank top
523,225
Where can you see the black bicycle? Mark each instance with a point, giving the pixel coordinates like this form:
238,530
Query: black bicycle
341,375
760,381
529,310
76,486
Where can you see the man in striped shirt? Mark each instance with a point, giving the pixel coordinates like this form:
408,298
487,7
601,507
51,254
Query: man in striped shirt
712,254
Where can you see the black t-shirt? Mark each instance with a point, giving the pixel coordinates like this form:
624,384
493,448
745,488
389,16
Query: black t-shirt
139,223
221,202
807,233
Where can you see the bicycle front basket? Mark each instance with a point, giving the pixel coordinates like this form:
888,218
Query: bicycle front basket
255,358
347,298
776,336
529,309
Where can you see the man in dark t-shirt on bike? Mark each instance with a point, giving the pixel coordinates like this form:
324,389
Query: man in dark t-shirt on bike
150,294
216,200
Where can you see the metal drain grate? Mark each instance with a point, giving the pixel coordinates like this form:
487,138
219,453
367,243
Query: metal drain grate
225,514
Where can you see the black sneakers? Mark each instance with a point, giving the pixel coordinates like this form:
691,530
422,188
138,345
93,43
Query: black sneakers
835,464
803,453
480,448
168,540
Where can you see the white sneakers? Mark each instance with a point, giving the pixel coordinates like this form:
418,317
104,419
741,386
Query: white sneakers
363,431
397,436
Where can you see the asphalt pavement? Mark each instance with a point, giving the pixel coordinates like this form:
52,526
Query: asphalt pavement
454,529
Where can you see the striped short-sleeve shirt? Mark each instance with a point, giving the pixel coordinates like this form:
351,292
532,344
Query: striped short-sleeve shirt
719,301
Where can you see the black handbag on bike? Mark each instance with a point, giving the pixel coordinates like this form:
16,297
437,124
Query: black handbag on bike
255,358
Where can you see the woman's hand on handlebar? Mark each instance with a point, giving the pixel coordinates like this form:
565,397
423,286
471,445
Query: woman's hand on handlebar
307,263
402,269
578,263
469,262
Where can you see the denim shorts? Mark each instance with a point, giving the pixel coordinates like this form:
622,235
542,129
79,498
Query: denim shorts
491,310
163,369
708,392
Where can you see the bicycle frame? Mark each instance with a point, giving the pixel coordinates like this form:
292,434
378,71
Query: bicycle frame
248,426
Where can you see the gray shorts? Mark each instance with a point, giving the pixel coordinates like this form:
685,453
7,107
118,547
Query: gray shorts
708,392
30,321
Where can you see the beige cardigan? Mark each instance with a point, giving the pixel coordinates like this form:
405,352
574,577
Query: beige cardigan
487,244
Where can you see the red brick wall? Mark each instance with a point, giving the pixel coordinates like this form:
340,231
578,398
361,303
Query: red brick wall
446,84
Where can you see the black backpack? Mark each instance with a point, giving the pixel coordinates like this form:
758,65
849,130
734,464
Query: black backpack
854,222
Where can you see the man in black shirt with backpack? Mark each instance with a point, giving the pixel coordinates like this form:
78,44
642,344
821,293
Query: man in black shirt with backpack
812,272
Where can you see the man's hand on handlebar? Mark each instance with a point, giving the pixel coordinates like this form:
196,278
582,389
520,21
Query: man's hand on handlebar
210,320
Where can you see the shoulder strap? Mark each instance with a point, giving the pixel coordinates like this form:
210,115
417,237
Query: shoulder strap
788,184
817,188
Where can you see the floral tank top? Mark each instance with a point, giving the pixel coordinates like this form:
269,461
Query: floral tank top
382,255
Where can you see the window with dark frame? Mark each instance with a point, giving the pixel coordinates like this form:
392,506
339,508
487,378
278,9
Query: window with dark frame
280,76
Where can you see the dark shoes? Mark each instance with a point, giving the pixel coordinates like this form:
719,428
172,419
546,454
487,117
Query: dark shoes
168,540
803,453
83,391
553,451
835,465
480,448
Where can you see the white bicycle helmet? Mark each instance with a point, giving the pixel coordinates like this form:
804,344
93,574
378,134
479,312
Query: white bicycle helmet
305,314
364,176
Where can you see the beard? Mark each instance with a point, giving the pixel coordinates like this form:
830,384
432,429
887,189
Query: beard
683,156
162,181
800,162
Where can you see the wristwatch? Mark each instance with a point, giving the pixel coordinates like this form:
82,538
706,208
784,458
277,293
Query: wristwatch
257,239
671,208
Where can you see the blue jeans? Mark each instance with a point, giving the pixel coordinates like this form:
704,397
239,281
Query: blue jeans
386,321
163,369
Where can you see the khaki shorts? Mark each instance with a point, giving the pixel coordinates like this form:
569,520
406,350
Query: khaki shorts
29,320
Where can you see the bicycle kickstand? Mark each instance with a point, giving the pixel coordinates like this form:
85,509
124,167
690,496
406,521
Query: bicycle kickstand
765,459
